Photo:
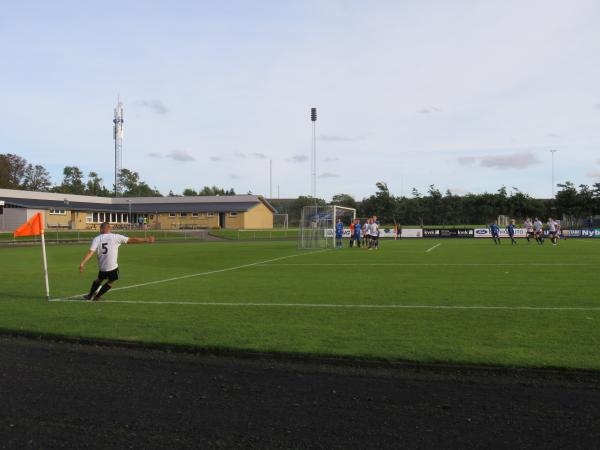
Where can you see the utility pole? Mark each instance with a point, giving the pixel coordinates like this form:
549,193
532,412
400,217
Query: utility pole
553,151
270,178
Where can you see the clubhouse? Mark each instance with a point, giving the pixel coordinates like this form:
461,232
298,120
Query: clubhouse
82,212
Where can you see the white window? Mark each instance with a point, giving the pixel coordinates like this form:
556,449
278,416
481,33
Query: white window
183,214
232,214
89,218
194,214
210,214
57,212
172,215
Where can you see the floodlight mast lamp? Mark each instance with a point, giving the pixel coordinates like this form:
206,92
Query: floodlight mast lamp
313,158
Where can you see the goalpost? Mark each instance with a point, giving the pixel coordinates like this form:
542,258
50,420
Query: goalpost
317,225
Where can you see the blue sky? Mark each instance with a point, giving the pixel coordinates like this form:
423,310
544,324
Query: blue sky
466,95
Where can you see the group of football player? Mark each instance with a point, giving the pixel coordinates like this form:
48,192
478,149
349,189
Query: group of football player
534,230
365,235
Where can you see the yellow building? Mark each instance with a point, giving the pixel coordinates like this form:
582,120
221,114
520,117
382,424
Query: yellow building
82,212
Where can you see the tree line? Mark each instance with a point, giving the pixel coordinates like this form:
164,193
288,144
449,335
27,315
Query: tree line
432,207
17,173
447,209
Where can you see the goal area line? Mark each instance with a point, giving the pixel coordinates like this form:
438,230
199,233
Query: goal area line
339,306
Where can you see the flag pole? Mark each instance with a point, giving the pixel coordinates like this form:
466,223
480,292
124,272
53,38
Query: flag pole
45,262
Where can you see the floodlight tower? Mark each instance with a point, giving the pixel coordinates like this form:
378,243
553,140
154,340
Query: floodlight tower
313,156
118,138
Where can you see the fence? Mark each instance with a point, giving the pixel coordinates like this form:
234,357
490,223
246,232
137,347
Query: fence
57,236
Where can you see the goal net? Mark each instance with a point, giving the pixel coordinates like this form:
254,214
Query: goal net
317,225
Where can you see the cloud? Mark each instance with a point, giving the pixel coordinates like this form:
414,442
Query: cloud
180,155
155,105
431,109
216,158
552,135
519,160
597,105
239,155
336,138
234,176
155,155
260,155
328,175
298,158
331,159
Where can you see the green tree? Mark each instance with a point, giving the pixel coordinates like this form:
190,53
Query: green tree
95,186
12,171
36,178
132,186
188,192
72,181
344,200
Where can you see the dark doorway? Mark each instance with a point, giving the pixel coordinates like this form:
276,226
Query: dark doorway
222,220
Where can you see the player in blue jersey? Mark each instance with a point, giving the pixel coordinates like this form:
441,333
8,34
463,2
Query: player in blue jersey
357,230
339,233
511,232
495,230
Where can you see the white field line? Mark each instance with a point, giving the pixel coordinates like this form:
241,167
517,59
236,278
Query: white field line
201,274
428,264
346,306
434,247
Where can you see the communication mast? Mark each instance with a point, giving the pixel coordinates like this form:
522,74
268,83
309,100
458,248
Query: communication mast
118,138
313,156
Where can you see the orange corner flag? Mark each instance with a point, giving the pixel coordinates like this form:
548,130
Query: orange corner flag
33,227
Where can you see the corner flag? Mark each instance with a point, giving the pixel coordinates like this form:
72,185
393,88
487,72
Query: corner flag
35,227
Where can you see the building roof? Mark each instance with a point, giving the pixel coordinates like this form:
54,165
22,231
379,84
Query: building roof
51,200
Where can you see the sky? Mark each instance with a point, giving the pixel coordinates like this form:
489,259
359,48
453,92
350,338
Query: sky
466,95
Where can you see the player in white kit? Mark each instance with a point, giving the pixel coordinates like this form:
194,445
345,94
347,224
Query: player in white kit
553,230
106,246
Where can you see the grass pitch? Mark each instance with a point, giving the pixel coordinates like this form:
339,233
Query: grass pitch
452,301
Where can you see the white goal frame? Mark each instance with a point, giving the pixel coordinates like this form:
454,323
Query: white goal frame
317,225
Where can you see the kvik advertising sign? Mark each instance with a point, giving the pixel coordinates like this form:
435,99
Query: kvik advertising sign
448,232
486,233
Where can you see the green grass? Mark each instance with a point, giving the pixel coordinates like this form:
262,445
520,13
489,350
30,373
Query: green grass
460,272
256,235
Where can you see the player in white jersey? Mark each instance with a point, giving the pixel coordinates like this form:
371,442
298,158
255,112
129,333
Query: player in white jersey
366,234
529,227
553,230
538,231
106,247
374,243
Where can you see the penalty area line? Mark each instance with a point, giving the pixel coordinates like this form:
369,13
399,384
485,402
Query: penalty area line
432,248
193,275
342,306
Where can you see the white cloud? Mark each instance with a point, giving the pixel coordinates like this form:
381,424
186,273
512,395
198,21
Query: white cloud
216,158
328,175
180,155
298,158
155,105
518,160
155,155
259,155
